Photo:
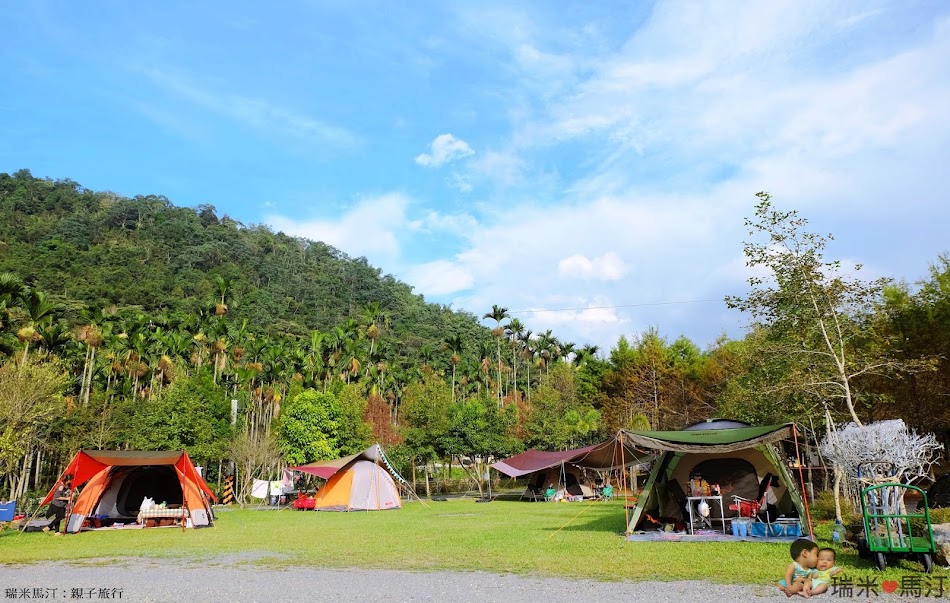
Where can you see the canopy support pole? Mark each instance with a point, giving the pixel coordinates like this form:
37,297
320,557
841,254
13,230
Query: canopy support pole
801,477
623,484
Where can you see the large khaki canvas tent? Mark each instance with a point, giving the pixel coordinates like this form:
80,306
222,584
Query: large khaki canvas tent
569,470
360,482
117,481
735,456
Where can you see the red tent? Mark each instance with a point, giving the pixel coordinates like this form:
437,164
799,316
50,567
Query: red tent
117,481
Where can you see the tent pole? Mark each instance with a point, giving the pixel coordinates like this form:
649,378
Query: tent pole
184,501
623,484
801,478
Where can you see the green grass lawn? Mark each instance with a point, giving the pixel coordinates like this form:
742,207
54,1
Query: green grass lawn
575,540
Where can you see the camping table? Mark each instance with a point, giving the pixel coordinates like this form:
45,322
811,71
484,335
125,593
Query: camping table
690,500
179,514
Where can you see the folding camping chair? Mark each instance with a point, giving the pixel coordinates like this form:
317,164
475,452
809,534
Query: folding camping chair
533,493
745,507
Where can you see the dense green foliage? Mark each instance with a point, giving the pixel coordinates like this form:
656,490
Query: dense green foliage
133,323
103,251
315,425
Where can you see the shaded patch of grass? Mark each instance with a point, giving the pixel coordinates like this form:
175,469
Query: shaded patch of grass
567,540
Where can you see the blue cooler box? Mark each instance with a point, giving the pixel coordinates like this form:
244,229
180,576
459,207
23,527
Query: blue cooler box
7,510
776,530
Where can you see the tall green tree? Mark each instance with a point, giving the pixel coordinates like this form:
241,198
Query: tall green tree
316,426
40,310
191,414
31,396
558,419
515,332
453,344
11,292
815,312
918,319
498,314
477,431
425,420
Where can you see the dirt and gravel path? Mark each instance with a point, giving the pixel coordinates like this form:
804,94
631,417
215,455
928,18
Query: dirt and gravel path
237,580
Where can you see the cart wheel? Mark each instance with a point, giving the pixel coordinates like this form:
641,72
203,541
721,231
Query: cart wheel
880,561
863,551
927,562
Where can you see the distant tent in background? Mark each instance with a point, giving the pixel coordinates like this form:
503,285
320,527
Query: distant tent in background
117,481
360,482
564,469
732,454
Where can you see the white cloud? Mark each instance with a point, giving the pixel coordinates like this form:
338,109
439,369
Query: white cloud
444,149
370,228
440,277
259,114
608,267
505,169
455,224
589,316
657,147
461,182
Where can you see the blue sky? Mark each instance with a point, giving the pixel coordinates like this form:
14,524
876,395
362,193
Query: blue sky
585,165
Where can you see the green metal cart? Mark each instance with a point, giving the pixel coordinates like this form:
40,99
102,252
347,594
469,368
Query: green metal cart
889,531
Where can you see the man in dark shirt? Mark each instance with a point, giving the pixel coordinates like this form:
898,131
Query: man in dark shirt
61,499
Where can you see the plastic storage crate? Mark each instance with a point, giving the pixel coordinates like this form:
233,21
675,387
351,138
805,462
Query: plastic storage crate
776,530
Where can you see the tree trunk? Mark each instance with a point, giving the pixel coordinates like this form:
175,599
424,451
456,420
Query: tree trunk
39,465
413,461
92,364
838,476
85,369
428,488
810,490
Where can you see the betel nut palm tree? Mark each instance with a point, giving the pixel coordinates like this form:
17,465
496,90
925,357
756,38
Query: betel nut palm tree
498,314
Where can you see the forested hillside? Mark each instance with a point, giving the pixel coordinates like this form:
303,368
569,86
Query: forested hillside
136,324
95,249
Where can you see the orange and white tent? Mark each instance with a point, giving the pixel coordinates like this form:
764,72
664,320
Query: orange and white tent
115,482
360,482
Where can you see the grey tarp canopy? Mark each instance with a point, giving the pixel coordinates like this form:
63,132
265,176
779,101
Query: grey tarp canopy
605,456
733,449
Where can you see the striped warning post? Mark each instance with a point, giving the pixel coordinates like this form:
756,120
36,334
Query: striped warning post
227,497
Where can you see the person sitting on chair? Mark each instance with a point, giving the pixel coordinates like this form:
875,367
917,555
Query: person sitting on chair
767,498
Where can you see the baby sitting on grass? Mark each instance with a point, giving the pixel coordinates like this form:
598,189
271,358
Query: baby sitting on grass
797,579
824,569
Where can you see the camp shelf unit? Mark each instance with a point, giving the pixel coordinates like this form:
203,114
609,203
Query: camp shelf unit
694,501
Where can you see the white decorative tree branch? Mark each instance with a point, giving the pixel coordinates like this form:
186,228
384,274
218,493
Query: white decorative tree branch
881,451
